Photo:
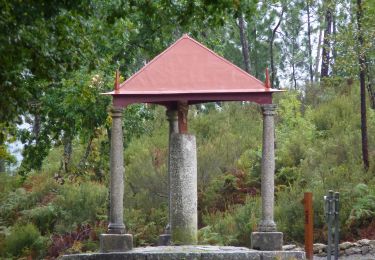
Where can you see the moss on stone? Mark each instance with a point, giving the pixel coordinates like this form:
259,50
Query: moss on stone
183,236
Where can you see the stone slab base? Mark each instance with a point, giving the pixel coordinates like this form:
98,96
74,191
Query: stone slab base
115,242
164,240
267,241
191,253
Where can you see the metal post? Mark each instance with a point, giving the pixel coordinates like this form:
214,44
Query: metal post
337,224
329,219
309,227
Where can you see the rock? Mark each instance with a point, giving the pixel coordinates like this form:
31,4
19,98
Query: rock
372,243
365,250
298,249
289,247
346,245
353,250
322,254
318,248
364,242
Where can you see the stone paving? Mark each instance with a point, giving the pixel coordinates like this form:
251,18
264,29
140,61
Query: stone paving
191,253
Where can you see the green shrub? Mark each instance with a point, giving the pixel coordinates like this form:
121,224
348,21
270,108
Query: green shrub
363,209
12,204
146,225
222,229
80,204
44,217
25,241
232,227
289,214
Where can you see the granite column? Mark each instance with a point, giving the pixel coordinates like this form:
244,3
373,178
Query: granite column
267,238
165,239
116,240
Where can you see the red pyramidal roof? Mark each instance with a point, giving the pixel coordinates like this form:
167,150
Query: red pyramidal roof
189,71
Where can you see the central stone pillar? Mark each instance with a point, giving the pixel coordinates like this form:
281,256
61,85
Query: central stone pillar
267,238
116,240
183,189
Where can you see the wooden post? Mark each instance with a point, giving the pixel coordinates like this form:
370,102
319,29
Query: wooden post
309,225
182,109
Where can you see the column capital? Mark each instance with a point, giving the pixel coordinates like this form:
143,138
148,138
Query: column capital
269,109
116,111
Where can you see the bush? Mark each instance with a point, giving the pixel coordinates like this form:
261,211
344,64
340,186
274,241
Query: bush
232,227
44,217
25,241
80,204
146,226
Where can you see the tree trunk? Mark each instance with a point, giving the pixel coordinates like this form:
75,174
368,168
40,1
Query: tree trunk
36,127
370,87
83,160
67,141
334,52
326,43
294,76
362,78
2,165
255,54
317,59
244,42
309,42
273,72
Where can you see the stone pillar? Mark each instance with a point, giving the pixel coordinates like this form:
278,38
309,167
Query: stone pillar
165,239
183,189
116,240
267,238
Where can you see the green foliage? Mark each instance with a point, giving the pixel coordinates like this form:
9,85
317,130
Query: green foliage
80,204
146,225
43,217
363,209
10,206
231,227
290,216
25,241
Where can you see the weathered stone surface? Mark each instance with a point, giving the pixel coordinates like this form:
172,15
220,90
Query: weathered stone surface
345,245
365,250
191,253
364,242
289,247
164,240
353,250
290,255
184,196
115,243
318,248
267,223
372,243
116,222
267,241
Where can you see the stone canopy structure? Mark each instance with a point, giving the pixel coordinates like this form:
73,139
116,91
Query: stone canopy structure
188,73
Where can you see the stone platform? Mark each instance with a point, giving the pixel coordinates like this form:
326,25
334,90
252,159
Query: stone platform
191,253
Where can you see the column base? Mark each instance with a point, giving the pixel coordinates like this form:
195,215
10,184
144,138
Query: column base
164,240
267,241
115,243
267,226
